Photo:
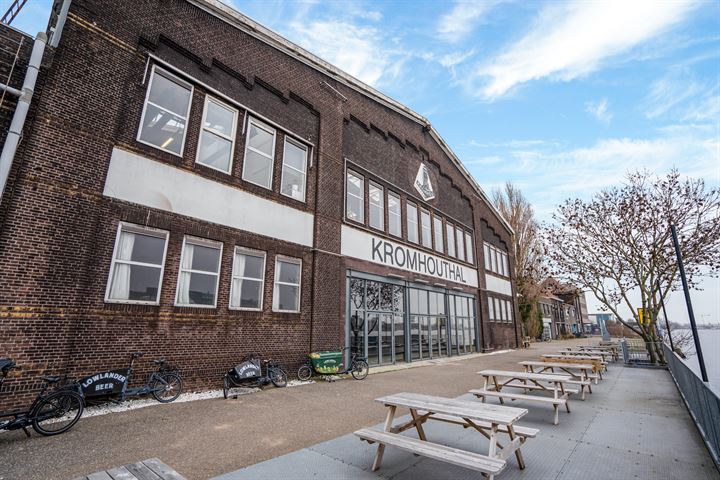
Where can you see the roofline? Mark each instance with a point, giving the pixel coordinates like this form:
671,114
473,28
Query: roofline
264,34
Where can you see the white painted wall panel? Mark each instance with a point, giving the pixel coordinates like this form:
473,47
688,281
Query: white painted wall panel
153,184
497,284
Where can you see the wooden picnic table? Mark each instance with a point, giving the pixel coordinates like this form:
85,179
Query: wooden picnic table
150,469
537,382
581,373
603,348
489,420
596,362
606,356
584,355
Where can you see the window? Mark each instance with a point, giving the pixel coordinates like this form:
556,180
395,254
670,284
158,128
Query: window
164,118
486,250
460,237
286,295
450,239
491,309
137,265
412,222
508,311
294,170
496,260
394,215
505,263
355,201
499,306
248,276
199,273
469,247
438,230
377,206
217,136
259,154
426,232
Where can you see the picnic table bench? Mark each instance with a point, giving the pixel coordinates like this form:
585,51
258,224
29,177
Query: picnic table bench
492,387
597,363
606,356
580,373
489,420
614,351
151,469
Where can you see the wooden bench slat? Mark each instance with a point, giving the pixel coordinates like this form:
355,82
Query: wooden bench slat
519,396
162,470
518,429
462,458
121,473
525,375
99,476
142,472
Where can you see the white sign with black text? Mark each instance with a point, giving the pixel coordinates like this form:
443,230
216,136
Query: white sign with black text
372,248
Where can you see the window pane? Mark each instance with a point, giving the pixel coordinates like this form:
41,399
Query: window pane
261,140
355,203
219,118
486,250
354,209
257,169
215,151
377,208
394,216
146,248
250,293
289,272
168,94
135,282
355,185
293,183
202,288
460,237
205,258
450,239
412,224
294,156
507,267
162,129
438,226
252,265
469,247
425,224
288,297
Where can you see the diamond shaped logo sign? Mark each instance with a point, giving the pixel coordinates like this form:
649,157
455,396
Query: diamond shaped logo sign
422,183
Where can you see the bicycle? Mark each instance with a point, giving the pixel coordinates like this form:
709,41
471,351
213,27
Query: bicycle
51,414
165,384
358,366
249,374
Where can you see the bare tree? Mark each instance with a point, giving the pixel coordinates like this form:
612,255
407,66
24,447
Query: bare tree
618,245
529,268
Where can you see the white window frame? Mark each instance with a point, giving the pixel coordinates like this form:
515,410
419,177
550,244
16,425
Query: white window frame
349,172
416,223
304,173
203,242
254,253
276,282
141,230
438,235
173,78
450,232
491,309
371,185
426,214
398,214
469,251
212,131
506,262
262,126
460,240
486,252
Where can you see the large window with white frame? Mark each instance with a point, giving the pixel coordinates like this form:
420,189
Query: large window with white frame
137,265
248,279
469,247
199,273
439,234
426,228
286,294
217,135
394,215
294,170
165,114
450,239
355,197
259,154
496,260
460,238
412,222
376,217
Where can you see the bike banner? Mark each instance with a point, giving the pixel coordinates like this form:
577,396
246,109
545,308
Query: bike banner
106,383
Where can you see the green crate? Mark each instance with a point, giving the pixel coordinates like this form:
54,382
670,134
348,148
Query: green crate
326,362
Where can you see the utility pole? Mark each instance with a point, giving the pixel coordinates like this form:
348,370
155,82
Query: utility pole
693,326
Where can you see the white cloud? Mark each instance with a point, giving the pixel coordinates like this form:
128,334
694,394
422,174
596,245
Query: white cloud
571,40
599,110
462,19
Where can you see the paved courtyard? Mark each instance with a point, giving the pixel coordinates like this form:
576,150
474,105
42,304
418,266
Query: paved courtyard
634,425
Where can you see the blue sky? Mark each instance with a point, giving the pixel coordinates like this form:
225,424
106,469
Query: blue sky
560,98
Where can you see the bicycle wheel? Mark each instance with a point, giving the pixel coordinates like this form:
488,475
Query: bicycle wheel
57,413
304,373
166,387
278,377
360,369
226,386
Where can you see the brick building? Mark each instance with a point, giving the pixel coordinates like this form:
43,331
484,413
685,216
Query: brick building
192,185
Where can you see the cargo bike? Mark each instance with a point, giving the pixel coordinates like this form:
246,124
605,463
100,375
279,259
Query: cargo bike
331,363
249,374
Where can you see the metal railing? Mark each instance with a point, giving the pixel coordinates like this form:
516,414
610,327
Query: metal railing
702,402
635,351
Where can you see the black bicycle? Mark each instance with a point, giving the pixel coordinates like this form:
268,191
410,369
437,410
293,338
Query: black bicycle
249,374
165,384
316,363
50,414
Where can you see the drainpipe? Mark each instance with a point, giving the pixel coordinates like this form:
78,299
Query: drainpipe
59,24
18,121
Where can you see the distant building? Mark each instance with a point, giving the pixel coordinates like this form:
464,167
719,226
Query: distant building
599,320
564,309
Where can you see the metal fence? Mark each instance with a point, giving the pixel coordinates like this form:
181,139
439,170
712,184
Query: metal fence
635,351
703,403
